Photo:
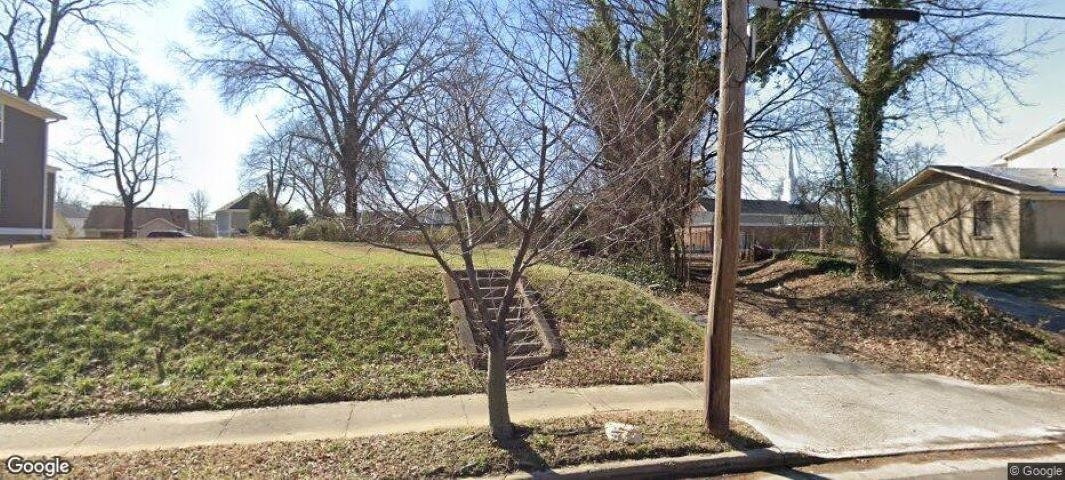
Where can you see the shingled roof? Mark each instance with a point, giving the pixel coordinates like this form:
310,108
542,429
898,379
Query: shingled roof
242,202
1013,180
765,207
108,217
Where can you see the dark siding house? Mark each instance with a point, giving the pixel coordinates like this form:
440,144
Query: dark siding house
27,183
105,221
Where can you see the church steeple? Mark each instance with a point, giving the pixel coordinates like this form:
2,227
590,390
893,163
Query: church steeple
790,192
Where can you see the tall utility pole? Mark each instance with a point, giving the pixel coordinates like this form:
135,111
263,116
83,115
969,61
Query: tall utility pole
716,370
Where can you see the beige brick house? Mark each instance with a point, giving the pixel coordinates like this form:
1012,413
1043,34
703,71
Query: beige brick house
996,211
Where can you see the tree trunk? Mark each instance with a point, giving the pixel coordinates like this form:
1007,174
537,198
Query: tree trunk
350,157
879,83
665,246
351,195
871,258
498,406
127,221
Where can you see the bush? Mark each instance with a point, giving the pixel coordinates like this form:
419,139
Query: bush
260,228
296,218
645,274
322,230
823,263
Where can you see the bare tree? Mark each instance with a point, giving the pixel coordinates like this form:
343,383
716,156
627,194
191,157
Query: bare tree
496,143
348,65
900,162
200,203
316,179
268,165
31,29
129,115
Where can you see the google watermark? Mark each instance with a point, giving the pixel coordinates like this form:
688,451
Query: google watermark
46,468
1041,471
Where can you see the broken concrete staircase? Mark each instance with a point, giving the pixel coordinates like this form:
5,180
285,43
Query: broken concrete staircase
531,339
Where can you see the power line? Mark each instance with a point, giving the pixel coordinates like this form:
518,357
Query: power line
948,12
973,13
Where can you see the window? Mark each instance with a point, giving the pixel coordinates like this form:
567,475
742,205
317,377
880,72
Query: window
902,222
3,121
982,219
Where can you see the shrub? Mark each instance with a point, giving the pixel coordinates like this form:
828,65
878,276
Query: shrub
296,218
322,230
823,263
645,274
260,228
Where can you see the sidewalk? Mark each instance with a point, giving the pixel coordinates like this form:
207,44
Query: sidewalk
829,416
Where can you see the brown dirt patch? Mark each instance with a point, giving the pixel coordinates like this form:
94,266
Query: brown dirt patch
440,454
898,325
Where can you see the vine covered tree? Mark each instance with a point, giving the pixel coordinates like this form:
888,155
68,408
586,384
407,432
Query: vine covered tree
652,94
896,73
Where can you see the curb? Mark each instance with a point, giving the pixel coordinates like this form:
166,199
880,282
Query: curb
715,464
743,461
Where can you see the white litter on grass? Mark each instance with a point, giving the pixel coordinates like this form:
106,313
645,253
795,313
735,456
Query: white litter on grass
623,432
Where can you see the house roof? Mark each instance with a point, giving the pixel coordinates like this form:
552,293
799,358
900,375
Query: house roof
107,217
1042,139
25,106
1011,180
242,202
160,222
69,211
764,207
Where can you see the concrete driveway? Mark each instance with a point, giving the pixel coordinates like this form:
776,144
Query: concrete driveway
869,415
1027,310
1031,290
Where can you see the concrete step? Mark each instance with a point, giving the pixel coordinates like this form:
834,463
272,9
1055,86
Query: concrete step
526,343
489,282
523,335
515,349
513,312
520,362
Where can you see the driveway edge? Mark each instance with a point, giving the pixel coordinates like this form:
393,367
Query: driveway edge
739,461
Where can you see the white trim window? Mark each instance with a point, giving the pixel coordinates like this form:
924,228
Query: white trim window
3,121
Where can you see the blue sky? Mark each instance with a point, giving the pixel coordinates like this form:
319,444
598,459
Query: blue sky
209,139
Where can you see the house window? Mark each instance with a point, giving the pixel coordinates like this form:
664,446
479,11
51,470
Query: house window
982,219
902,222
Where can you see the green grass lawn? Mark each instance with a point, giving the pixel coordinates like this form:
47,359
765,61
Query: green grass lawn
1040,280
123,326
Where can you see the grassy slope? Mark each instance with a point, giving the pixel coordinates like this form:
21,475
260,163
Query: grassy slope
439,454
615,330
89,327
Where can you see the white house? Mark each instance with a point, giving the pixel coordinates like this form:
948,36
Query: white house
234,217
1045,150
